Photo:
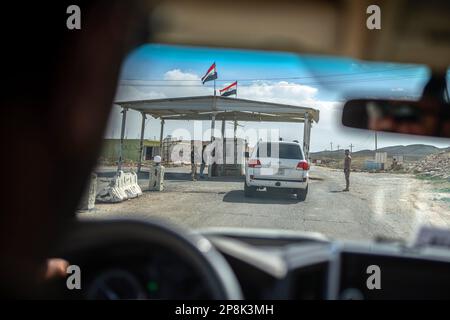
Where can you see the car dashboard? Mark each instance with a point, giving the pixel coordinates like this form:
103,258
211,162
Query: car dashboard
300,266
253,264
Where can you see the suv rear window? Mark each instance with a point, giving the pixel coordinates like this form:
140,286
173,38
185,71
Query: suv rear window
286,151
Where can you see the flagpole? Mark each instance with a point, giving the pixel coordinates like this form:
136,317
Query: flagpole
214,87
236,88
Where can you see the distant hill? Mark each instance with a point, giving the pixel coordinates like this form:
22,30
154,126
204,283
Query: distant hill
411,152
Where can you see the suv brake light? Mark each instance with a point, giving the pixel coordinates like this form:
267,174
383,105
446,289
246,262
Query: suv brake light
304,165
254,163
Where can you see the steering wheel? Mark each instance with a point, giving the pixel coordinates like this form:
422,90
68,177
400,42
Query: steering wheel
95,245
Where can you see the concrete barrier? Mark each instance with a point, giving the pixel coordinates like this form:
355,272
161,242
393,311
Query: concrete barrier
127,186
156,178
115,191
88,199
122,187
131,187
136,186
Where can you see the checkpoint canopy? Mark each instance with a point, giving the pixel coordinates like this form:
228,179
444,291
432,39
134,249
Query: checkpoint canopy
217,108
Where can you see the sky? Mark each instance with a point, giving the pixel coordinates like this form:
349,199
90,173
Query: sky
161,71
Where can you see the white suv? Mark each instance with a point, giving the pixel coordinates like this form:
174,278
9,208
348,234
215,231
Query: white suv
277,165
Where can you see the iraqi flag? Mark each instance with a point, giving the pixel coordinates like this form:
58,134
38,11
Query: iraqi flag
229,90
211,74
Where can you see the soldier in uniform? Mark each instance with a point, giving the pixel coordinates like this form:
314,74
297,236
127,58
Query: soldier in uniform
347,166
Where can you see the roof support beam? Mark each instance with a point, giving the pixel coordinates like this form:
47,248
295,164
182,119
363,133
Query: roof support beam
161,135
141,142
224,147
213,125
235,141
306,135
122,136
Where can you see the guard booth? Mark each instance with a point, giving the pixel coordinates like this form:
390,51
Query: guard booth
218,109
234,153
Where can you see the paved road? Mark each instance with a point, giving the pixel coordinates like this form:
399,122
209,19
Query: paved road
386,205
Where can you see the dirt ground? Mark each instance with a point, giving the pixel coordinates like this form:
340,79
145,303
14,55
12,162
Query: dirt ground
378,204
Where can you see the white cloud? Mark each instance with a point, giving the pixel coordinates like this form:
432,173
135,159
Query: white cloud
177,84
128,92
280,92
177,74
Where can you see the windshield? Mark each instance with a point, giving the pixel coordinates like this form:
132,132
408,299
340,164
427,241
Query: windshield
187,122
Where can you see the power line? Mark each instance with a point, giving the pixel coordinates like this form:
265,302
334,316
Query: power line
287,78
328,83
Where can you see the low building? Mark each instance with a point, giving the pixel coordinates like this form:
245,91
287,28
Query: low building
111,150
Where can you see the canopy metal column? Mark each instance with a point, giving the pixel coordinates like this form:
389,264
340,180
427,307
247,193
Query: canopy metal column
161,135
122,136
213,126
224,147
141,142
213,118
235,142
306,134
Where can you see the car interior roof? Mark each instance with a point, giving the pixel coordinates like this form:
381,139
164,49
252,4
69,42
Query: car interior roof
411,31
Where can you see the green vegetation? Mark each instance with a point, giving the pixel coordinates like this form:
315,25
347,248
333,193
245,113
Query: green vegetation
440,186
432,179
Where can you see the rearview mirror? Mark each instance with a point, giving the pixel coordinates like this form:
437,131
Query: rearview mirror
423,117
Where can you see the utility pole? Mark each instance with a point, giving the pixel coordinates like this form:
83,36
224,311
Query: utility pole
351,148
376,141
